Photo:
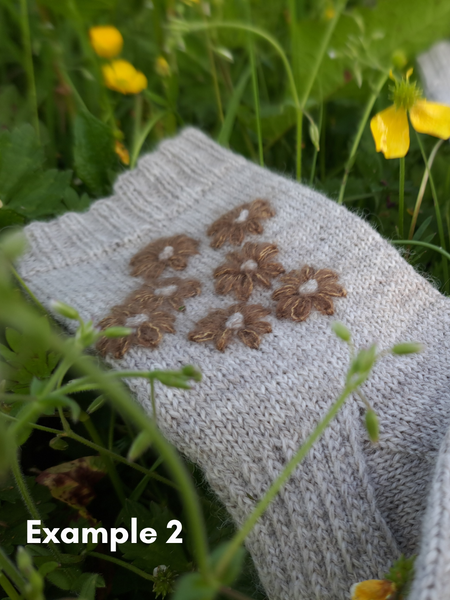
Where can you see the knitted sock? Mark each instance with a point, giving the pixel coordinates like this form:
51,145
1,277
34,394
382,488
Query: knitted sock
249,296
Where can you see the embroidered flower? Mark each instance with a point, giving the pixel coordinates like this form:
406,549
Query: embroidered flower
164,293
243,219
390,128
305,290
373,589
172,252
241,320
148,329
251,266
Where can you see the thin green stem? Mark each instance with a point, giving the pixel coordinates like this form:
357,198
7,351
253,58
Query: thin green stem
152,397
110,467
137,118
140,139
10,569
251,51
8,587
28,58
313,167
362,124
212,64
424,244
401,198
78,438
423,186
438,215
262,505
195,27
29,502
24,286
122,563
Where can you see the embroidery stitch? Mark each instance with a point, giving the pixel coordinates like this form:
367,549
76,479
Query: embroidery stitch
148,326
164,293
241,320
305,290
243,270
233,225
151,261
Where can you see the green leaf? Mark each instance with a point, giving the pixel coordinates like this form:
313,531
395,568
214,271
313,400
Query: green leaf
62,577
94,155
48,567
87,584
194,587
235,566
9,218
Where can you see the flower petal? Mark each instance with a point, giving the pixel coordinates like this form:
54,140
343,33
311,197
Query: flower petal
431,118
372,589
390,131
250,338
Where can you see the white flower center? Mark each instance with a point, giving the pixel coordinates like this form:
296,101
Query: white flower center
166,253
309,287
249,265
236,321
136,320
243,216
169,290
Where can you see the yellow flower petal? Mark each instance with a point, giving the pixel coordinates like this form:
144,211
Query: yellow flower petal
122,152
431,118
121,76
373,589
390,131
106,40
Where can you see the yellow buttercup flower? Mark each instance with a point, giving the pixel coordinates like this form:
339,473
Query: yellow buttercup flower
390,128
122,152
373,589
121,76
106,40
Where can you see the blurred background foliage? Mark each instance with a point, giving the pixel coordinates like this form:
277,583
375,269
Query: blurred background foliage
59,126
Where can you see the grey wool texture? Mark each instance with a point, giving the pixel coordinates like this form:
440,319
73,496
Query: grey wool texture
351,507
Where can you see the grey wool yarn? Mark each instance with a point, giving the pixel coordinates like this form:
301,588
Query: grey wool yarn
261,334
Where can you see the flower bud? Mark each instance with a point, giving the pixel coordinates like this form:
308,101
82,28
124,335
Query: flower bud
191,372
314,135
58,443
64,310
115,332
407,348
372,426
341,331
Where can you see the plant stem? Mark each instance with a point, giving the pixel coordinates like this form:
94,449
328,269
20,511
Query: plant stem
438,215
29,502
313,167
10,569
140,139
152,397
27,290
123,564
262,505
362,124
193,27
401,198
28,58
117,457
423,186
212,64
424,244
251,51
8,587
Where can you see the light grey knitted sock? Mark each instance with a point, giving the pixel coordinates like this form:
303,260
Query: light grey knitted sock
350,507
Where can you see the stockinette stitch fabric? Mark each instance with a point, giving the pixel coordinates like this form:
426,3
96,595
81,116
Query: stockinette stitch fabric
351,507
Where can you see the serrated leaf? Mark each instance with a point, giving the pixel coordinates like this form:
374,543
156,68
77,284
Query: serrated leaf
61,577
87,584
9,218
94,155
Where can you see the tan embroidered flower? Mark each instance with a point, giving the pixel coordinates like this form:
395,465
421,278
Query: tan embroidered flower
148,329
253,265
173,252
243,219
169,292
305,290
241,320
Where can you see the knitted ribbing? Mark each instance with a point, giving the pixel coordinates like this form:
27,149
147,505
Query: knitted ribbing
350,507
